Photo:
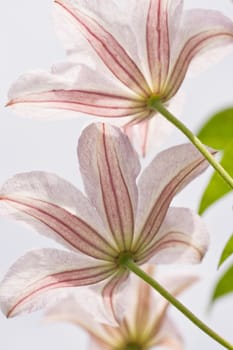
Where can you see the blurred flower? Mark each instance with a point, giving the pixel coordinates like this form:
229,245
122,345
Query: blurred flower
146,324
119,219
120,55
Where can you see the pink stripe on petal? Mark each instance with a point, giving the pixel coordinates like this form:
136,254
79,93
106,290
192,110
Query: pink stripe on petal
66,227
190,166
138,130
66,279
116,197
93,103
158,212
109,50
182,237
109,168
109,293
158,46
171,243
194,46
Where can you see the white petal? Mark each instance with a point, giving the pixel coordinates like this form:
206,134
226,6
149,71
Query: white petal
109,167
94,344
55,208
219,49
168,336
151,311
169,172
26,94
71,310
42,277
162,25
181,239
125,21
205,37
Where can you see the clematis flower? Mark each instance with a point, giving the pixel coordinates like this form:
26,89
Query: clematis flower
117,219
121,54
146,324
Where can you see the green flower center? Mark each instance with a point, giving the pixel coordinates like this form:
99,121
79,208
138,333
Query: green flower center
151,101
123,257
133,346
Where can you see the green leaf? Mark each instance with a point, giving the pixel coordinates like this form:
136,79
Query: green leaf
224,285
217,187
218,133
227,252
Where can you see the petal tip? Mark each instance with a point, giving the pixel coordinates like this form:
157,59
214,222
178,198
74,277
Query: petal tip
9,103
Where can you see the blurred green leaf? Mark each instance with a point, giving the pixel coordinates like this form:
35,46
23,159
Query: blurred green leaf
227,252
217,187
224,285
218,133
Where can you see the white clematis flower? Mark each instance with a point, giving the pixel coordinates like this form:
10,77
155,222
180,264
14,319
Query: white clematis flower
120,55
117,219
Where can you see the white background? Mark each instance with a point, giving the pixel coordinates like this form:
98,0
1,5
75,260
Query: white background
28,41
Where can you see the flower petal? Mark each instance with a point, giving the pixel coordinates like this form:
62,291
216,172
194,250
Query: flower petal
162,23
109,167
111,52
56,209
125,21
203,31
146,317
182,238
112,294
167,174
139,313
35,278
70,310
99,104
95,344
168,336
43,94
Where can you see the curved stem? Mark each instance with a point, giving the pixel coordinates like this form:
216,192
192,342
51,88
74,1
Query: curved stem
155,285
155,104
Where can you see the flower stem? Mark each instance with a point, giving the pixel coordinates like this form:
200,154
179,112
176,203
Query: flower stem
155,104
155,285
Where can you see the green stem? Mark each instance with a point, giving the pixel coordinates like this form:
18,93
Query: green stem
155,104
155,285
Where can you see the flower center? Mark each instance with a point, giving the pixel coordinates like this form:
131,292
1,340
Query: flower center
132,346
123,257
151,101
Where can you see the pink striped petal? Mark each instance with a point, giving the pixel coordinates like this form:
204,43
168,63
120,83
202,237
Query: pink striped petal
163,22
148,134
93,103
126,21
166,175
204,32
111,52
111,296
158,42
147,316
182,238
70,310
42,276
38,199
168,336
109,167
95,344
